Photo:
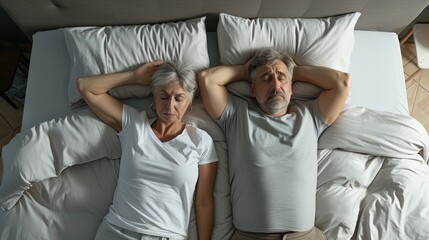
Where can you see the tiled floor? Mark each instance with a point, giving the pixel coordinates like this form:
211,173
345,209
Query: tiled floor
417,90
417,83
10,121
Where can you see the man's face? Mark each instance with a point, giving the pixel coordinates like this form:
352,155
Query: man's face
272,88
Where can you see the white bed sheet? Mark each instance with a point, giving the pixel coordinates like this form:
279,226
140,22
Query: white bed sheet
376,67
377,72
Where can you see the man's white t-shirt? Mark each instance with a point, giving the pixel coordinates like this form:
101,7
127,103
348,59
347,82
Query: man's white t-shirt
157,180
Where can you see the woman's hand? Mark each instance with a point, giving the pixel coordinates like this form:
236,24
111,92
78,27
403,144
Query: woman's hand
143,74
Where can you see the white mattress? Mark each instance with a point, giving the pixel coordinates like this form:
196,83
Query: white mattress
376,67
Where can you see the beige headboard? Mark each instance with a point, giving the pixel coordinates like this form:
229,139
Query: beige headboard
36,15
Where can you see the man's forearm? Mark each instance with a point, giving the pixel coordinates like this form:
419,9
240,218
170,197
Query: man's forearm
323,77
212,86
223,75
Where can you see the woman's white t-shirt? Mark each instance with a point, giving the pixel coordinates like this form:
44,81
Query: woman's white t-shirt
157,180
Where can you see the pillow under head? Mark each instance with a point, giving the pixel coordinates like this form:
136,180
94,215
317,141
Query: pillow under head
109,49
310,41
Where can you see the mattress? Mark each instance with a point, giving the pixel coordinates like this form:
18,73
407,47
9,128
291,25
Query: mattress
376,68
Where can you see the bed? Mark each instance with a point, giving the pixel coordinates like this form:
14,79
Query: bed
373,179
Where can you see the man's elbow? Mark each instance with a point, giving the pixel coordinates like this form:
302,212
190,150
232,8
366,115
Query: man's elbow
346,81
203,78
80,85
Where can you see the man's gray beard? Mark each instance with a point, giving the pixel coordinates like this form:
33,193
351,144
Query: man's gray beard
275,106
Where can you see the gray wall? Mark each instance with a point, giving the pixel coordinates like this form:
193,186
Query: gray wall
9,30
422,18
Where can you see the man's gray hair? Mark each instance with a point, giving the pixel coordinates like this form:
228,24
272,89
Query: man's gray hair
175,72
268,56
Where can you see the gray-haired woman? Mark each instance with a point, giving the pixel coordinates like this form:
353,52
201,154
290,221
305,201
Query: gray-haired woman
164,160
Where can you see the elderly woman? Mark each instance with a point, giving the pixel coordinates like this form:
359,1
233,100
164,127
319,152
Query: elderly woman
164,160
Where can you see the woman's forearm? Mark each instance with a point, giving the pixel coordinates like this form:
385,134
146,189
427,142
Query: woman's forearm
100,84
205,219
204,200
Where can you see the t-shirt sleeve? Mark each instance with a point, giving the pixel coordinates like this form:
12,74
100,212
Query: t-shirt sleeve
129,114
319,121
230,111
208,151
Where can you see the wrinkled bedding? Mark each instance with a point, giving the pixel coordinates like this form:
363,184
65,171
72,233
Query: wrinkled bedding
373,180
373,177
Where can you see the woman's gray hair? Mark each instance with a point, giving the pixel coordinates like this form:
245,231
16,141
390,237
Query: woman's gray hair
175,72
268,56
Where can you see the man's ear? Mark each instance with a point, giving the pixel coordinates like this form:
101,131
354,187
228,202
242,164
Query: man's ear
252,89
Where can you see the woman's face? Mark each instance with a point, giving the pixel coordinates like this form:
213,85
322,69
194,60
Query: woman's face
171,102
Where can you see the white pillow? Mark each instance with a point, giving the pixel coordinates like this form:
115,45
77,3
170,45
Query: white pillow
102,50
314,41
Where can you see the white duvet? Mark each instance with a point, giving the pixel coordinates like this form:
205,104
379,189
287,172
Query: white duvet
373,181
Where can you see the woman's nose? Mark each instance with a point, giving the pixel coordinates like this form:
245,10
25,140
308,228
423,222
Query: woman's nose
171,103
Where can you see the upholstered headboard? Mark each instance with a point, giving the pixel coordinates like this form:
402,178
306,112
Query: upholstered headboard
33,16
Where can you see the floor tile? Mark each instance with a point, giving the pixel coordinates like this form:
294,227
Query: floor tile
411,94
408,51
424,79
6,132
406,76
12,116
410,83
410,68
421,107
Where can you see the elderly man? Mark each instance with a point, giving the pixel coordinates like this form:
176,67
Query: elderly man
272,143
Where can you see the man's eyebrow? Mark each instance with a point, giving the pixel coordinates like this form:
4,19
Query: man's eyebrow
267,72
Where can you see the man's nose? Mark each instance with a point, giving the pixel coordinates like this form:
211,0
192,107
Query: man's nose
276,83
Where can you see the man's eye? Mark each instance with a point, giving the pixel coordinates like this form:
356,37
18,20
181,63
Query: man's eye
266,78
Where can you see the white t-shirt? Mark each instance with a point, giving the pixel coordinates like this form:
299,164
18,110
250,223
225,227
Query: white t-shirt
157,180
